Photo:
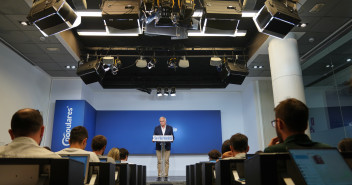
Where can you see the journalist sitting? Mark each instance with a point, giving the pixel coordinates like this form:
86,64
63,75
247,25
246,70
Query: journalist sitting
291,120
78,142
26,132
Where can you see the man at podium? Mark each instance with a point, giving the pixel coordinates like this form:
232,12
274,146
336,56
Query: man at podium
163,129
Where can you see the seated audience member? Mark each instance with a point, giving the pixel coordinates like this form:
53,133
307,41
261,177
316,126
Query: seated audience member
115,154
26,133
99,143
291,120
239,146
78,142
226,150
345,145
214,155
124,155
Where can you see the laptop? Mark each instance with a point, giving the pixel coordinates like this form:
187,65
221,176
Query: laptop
84,158
322,166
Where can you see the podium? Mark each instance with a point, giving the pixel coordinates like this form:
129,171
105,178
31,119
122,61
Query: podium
162,139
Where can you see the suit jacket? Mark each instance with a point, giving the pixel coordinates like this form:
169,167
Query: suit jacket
168,131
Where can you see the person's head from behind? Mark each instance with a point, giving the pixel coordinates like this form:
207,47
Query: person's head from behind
345,145
27,123
239,144
78,137
114,153
291,117
124,154
225,146
99,144
214,155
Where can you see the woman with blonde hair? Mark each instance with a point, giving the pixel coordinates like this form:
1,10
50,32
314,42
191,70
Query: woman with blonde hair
115,154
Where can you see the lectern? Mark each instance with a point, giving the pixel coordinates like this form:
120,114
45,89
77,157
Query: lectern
162,139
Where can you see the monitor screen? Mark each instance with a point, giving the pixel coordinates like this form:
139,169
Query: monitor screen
103,159
83,158
322,166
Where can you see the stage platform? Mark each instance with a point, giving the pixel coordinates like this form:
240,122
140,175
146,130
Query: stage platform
176,180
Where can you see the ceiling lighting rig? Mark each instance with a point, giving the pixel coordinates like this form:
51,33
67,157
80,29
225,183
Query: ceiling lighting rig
166,92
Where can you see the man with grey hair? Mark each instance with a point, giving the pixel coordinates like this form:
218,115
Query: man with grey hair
163,129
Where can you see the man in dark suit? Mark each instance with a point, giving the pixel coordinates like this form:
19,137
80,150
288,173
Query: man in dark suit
163,129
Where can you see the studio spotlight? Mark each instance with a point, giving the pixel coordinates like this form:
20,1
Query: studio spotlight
158,92
115,67
52,17
166,92
141,63
173,91
215,61
171,63
183,63
91,72
277,17
151,63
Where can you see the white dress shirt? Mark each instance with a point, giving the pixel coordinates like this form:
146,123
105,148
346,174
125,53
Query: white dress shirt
163,130
25,147
92,156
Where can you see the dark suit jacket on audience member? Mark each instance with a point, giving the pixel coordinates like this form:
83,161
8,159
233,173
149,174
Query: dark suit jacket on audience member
295,141
168,131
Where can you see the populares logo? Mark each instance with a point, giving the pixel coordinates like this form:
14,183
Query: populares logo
68,125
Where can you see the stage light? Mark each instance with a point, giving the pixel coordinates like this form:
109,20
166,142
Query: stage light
151,63
183,63
141,63
91,72
173,91
171,63
52,17
158,92
277,18
215,61
166,92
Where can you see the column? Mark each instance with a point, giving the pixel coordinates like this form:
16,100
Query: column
286,73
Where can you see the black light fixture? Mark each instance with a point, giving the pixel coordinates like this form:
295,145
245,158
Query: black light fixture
277,17
158,92
52,17
166,91
173,91
92,71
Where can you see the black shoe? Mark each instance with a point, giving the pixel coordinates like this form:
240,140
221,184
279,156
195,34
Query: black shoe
165,179
158,179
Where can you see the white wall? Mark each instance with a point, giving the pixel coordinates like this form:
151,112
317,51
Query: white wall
258,105
22,86
61,89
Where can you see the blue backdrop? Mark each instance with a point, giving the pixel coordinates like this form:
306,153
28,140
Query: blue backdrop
69,114
195,132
